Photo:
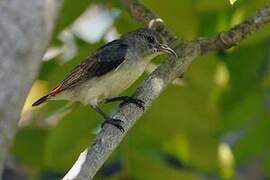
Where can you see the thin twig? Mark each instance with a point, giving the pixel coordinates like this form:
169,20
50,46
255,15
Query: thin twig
235,35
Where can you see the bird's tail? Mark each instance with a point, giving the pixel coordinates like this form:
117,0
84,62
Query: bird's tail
41,100
54,91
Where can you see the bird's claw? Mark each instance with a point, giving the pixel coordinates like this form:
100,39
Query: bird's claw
138,102
115,122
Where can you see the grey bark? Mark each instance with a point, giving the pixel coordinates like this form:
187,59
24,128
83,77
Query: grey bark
109,138
25,30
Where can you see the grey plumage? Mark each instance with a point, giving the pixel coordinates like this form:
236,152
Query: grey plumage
104,60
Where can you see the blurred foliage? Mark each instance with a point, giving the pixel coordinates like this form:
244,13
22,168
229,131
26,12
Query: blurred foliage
212,126
69,12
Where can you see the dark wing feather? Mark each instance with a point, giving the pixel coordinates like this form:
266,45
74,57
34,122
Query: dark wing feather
107,58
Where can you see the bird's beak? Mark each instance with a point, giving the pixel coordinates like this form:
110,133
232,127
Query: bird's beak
167,49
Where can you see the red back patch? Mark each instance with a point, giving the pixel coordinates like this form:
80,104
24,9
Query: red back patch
56,89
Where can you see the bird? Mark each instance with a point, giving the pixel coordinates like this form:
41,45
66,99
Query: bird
109,71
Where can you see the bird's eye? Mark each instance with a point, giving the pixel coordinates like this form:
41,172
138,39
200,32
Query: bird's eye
150,39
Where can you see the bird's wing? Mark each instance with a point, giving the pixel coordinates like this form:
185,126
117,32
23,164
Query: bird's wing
107,58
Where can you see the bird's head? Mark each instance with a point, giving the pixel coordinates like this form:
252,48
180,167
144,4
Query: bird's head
148,42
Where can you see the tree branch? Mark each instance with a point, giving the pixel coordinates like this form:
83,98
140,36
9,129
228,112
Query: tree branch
235,35
109,138
25,28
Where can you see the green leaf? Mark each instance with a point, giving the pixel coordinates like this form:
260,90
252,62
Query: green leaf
29,146
144,166
244,98
69,138
172,12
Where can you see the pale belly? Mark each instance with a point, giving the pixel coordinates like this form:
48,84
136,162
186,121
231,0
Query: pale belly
101,88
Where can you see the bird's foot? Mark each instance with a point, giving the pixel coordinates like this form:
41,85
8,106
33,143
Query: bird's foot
127,100
138,102
115,122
